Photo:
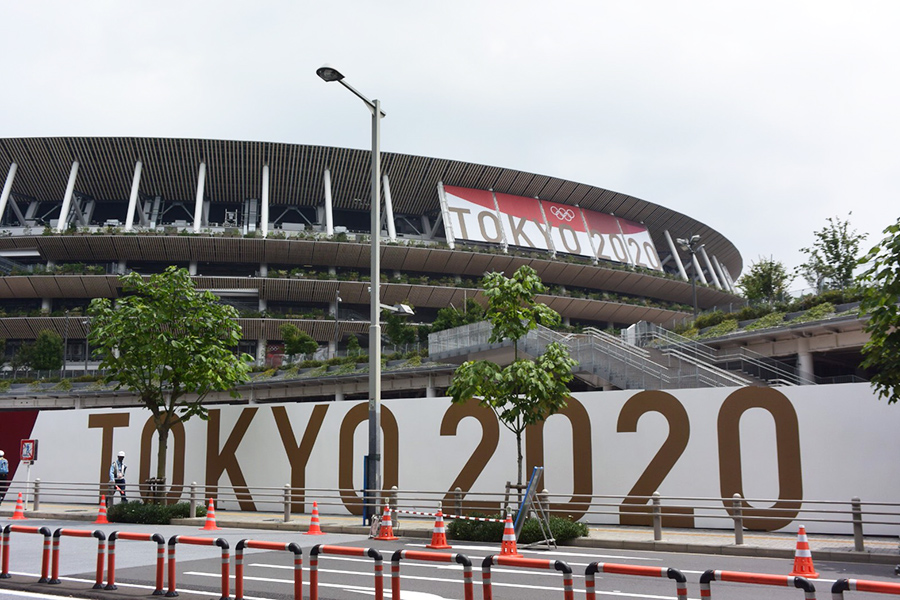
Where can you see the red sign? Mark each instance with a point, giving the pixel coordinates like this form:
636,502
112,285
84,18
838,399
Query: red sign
28,450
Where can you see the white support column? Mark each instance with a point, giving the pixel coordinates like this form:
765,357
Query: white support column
264,214
7,188
262,344
674,252
697,269
728,277
709,267
389,209
718,269
198,204
61,225
192,268
133,198
329,213
805,362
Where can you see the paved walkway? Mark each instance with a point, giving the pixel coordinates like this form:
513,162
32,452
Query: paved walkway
882,550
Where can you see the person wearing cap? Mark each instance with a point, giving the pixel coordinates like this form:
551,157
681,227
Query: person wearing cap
117,476
4,475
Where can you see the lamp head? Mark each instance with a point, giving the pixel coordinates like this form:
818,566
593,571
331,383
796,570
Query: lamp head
404,309
328,73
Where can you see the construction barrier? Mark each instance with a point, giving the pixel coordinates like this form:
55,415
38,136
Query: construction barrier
638,571
468,589
7,549
431,514
198,541
137,537
756,579
861,585
84,533
344,551
528,563
259,545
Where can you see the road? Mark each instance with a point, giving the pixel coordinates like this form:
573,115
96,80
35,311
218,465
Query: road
270,574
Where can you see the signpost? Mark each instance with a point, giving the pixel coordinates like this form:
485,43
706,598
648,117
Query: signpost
28,454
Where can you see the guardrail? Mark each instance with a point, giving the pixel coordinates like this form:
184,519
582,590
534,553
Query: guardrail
848,517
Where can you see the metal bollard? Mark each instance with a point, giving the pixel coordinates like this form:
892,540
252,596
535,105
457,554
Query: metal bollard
657,518
856,507
738,515
457,494
37,495
193,499
287,503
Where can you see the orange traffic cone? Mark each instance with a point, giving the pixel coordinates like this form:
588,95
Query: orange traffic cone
508,546
386,531
803,563
19,513
439,536
210,517
101,516
314,528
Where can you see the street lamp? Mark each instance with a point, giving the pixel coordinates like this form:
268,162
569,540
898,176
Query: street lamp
373,460
691,245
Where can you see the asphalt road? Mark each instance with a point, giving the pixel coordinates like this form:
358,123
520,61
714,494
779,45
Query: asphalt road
269,574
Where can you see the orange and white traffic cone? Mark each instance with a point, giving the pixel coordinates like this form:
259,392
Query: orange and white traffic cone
19,513
439,536
508,545
386,531
314,528
101,516
210,517
803,562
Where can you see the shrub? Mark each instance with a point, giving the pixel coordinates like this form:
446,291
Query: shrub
774,319
561,529
723,328
151,514
709,319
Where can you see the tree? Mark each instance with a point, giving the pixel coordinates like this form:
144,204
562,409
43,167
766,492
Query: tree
47,351
527,391
296,341
833,256
766,280
450,316
352,346
398,331
881,301
169,343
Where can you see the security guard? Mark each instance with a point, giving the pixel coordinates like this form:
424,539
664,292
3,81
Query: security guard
4,475
117,476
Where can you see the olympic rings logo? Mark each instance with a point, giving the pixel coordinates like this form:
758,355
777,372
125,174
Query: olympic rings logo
563,214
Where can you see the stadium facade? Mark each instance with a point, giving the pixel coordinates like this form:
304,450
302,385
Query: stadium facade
281,231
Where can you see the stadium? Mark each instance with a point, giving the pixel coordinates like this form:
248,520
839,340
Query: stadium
281,232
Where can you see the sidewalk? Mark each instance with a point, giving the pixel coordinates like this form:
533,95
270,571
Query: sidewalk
881,550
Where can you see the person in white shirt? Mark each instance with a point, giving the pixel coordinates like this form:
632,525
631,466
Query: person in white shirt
117,476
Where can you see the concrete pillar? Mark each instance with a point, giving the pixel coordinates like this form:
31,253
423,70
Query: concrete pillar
264,214
133,197
7,188
338,395
263,269
123,264
263,304
198,203
261,345
67,199
805,362
46,304
192,267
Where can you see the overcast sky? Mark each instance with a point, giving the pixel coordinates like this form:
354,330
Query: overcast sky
761,119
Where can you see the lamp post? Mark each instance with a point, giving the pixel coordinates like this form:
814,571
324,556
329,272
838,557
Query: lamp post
690,245
87,346
373,461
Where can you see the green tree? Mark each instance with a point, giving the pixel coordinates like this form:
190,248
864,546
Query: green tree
352,346
450,316
169,343
833,256
397,330
47,351
297,341
22,358
767,280
526,391
881,302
